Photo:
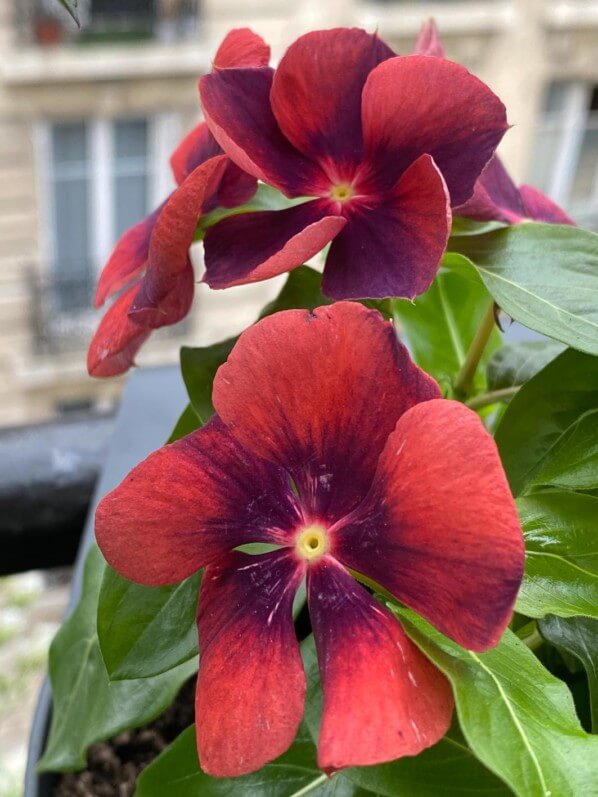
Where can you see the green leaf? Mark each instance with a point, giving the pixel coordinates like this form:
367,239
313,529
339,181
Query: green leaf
463,226
176,773
441,324
87,706
561,566
518,719
543,275
187,423
145,631
71,7
199,365
572,462
541,411
449,769
516,363
579,637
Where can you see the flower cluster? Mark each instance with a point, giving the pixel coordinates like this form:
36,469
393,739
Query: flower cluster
328,443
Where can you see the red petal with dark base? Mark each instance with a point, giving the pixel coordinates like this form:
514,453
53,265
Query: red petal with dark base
198,146
429,41
495,197
416,105
251,247
319,393
395,248
242,47
236,103
128,258
251,684
173,306
382,698
117,339
539,207
439,528
172,238
188,503
316,95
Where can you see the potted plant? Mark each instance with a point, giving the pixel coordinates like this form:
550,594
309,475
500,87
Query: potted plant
382,554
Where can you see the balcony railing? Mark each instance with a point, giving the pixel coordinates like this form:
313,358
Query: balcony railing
62,317
44,22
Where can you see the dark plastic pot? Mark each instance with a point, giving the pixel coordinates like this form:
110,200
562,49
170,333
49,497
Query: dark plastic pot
151,404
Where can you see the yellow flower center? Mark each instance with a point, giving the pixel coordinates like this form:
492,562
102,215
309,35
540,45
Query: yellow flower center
342,192
312,542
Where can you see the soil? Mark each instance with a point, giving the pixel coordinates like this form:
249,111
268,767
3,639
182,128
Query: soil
113,766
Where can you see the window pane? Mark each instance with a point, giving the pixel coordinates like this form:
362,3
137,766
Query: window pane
130,173
584,182
70,190
546,150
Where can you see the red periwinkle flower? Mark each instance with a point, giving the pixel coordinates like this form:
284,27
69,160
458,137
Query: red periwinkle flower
331,444
152,258
385,144
496,197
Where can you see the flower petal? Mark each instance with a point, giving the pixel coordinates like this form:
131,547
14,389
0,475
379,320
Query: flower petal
439,528
382,698
413,105
539,207
242,47
128,258
172,237
319,393
429,41
495,197
251,685
250,247
198,146
188,503
173,306
316,95
236,103
117,339
395,248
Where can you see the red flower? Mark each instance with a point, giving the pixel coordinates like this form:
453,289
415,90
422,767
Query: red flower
496,197
330,443
380,141
153,256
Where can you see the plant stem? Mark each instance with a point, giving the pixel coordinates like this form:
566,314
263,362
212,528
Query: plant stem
492,397
466,374
533,640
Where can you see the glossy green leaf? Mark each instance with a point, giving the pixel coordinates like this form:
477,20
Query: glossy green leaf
87,706
199,365
561,567
441,324
176,773
463,226
543,275
145,631
187,423
541,411
572,462
449,769
517,718
516,363
579,637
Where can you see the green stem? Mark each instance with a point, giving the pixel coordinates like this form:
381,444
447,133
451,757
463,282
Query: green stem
533,640
492,397
464,378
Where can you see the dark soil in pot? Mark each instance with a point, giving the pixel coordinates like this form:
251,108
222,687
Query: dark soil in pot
114,766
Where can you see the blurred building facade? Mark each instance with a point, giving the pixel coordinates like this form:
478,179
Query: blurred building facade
88,119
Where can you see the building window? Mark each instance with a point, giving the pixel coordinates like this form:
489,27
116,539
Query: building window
565,157
98,178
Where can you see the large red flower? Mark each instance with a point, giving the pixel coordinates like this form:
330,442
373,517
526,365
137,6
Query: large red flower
152,258
332,445
496,197
385,144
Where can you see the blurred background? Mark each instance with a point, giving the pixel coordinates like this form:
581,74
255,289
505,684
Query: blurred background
88,118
